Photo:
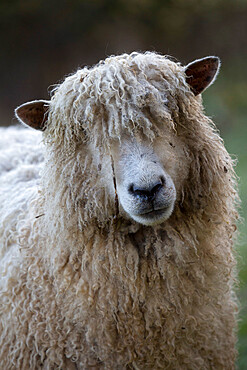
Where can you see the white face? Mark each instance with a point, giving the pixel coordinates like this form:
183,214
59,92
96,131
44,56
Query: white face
146,191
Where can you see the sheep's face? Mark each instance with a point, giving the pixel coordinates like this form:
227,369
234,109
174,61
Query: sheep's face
120,116
147,175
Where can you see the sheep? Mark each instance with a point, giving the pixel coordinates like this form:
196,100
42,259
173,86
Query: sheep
117,223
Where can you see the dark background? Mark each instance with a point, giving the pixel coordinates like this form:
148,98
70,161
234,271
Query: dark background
41,41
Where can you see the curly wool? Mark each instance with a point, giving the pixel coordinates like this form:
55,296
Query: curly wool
83,288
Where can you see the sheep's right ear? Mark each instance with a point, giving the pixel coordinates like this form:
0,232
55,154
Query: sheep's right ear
33,114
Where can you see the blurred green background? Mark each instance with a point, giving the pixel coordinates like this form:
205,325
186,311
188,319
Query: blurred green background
44,40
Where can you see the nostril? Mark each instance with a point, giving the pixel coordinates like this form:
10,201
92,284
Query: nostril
131,188
162,180
156,188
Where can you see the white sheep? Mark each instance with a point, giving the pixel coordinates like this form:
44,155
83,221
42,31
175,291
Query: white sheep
119,255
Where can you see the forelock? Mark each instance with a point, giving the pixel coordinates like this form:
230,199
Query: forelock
126,92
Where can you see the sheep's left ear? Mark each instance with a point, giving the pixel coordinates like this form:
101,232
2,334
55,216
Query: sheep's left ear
201,73
33,114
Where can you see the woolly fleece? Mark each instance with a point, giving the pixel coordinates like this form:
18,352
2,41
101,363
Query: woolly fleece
83,287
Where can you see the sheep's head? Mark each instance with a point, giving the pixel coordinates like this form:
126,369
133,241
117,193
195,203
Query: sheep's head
128,109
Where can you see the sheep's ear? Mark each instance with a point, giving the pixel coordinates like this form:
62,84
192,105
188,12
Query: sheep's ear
33,114
201,73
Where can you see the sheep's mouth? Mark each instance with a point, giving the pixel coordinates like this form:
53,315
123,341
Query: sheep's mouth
153,213
154,216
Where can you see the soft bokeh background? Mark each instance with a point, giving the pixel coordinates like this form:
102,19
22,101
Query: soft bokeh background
44,40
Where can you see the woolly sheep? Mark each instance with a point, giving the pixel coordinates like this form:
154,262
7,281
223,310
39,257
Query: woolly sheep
120,254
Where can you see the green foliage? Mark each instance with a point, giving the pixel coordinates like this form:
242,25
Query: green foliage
226,100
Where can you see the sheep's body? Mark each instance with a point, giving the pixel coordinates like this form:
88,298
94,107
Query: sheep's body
82,284
21,158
